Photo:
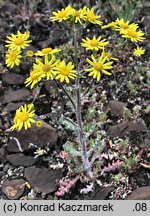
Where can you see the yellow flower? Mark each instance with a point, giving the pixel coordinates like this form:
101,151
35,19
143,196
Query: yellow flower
120,24
12,58
79,15
62,15
99,66
30,53
18,41
91,17
35,76
138,51
39,123
65,71
94,44
109,57
24,117
47,51
47,67
109,25
132,34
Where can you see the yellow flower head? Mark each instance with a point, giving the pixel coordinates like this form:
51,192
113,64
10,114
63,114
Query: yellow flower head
120,24
91,17
99,65
39,123
94,44
65,72
79,15
12,58
24,117
132,34
109,57
47,51
138,51
62,15
18,41
35,76
47,67
30,53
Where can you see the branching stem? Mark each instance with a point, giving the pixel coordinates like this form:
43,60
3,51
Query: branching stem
81,136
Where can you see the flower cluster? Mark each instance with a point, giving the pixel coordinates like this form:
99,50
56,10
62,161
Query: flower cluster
83,15
100,62
128,31
48,65
16,43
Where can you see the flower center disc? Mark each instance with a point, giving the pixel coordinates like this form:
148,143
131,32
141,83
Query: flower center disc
91,16
62,14
64,71
46,68
125,26
18,41
94,43
77,14
132,33
98,66
12,56
24,116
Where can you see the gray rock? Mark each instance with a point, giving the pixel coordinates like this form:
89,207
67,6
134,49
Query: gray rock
13,189
55,36
19,159
6,167
146,21
146,143
18,95
116,108
121,129
13,78
51,86
102,193
4,24
2,155
32,138
8,7
2,174
13,106
43,44
141,193
42,179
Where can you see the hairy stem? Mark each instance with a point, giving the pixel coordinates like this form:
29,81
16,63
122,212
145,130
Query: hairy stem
66,93
88,88
81,136
38,88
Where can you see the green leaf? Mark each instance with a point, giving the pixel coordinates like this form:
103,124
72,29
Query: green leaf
71,149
